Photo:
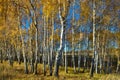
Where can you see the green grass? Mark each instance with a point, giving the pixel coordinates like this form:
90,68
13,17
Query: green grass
17,73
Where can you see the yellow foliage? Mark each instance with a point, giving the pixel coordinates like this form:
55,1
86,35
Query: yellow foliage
51,7
85,10
106,19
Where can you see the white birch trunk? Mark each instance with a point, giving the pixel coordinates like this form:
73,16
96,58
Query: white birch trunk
22,39
79,58
51,50
36,51
31,54
94,52
23,51
66,70
118,65
73,54
44,52
62,38
59,53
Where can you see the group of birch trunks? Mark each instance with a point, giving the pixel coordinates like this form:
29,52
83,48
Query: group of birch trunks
82,34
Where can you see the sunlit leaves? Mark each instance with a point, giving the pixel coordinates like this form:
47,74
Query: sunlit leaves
85,10
106,20
8,21
50,7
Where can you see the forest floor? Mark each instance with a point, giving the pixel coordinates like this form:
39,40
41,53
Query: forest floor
17,73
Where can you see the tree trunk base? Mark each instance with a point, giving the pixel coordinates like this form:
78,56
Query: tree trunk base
92,68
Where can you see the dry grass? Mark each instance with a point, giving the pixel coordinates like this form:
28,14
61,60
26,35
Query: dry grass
17,73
